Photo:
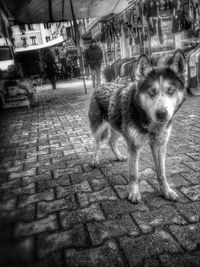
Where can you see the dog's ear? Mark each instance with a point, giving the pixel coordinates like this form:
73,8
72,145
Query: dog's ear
143,67
179,65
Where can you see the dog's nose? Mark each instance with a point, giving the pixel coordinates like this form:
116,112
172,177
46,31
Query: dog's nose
161,114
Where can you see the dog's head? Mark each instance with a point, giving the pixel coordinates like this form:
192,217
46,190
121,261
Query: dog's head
161,91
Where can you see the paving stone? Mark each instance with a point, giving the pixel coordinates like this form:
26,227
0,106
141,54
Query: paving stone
29,228
86,198
3,177
190,211
194,156
115,208
44,164
53,260
106,255
20,253
194,165
65,190
11,184
117,179
26,160
18,168
45,208
47,184
93,212
37,178
152,261
192,192
58,173
56,166
100,231
109,170
188,236
148,220
74,237
47,195
14,175
24,214
193,177
146,246
99,183
77,178
181,260
9,193
8,204
177,180
37,153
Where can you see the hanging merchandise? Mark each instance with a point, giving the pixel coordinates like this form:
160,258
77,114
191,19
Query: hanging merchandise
176,24
160,33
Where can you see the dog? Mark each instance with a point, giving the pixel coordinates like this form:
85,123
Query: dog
142,113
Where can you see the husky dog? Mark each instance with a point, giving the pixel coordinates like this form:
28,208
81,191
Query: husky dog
142,113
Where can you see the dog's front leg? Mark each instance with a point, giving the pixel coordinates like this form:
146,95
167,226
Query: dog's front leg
159,154
134,191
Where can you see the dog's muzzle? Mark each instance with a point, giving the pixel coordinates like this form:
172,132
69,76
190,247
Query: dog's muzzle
161,115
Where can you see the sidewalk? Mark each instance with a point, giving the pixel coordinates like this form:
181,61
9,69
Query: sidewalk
56,210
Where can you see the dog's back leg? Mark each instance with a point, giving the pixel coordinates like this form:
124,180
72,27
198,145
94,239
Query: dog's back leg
113,145
99,127
102,133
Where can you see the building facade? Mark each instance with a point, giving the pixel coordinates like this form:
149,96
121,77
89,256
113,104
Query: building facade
30,35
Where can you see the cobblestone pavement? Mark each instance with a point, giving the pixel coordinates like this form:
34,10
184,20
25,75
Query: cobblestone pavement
57,211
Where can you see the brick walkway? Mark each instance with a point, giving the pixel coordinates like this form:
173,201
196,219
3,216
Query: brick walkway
57,211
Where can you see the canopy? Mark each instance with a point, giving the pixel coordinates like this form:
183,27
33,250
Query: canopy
38,11
35,47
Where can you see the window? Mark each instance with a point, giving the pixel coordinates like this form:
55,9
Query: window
24,41
30,26
33,38
47,38
22,27
47,25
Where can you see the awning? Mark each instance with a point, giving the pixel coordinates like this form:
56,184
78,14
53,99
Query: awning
35,47
38,11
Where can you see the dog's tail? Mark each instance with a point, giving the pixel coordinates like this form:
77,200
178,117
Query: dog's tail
99,126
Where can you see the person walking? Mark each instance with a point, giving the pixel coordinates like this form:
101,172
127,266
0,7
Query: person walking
50,68
94,58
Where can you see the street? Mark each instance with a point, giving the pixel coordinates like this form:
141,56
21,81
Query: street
56,210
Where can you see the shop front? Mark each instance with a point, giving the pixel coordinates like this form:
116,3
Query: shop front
153,27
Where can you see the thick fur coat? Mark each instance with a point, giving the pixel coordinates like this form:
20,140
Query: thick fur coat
142,113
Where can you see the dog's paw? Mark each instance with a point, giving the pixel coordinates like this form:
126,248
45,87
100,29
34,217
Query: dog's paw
134,197
121,158
134,194
95,164
170,195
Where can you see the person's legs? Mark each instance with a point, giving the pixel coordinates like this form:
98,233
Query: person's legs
53,81
98,72
93,74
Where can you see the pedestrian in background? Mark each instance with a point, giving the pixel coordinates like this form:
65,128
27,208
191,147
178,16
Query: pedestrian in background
50,68
94,58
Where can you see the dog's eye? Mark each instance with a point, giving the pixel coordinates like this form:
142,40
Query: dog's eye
152,92
171,90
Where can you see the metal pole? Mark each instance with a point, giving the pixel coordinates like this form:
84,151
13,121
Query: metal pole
77,41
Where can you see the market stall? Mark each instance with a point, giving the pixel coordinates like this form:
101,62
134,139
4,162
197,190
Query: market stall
16,93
